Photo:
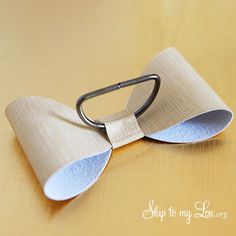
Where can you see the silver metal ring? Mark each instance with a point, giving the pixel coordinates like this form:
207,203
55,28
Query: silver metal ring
140,111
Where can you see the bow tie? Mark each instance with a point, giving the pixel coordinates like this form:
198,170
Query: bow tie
68,155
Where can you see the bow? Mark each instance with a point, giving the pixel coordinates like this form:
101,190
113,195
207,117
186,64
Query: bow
68,156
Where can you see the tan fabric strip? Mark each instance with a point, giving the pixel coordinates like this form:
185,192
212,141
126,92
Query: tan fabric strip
123,130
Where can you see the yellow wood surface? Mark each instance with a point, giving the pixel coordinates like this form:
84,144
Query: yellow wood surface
62,49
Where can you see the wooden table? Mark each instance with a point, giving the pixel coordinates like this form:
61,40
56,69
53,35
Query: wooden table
62,49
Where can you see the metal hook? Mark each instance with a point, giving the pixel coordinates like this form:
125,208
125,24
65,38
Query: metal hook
140,111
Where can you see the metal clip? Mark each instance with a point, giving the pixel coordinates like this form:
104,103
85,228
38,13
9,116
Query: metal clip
140,111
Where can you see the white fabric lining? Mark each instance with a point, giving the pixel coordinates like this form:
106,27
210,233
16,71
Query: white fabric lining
196,129
75,178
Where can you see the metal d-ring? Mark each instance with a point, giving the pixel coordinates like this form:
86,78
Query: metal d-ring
140,111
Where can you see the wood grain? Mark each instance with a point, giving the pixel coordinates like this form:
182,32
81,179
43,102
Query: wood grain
51,48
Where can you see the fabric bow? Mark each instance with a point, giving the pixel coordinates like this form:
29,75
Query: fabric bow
68,157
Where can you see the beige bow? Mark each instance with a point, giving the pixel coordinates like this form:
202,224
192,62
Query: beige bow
68,156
